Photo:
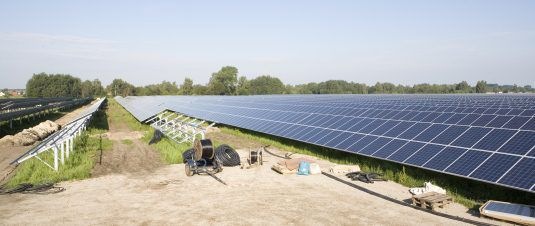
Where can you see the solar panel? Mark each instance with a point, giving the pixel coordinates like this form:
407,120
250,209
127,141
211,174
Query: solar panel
489,138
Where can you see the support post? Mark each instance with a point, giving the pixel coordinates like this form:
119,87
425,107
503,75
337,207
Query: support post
66,144
56,167
62,149
72,144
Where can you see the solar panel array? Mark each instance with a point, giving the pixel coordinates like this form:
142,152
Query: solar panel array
66,132
489,138
15,108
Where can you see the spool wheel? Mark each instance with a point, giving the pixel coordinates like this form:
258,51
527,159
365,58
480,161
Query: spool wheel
188,170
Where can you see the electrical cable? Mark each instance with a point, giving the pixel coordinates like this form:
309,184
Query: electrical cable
188,154
26,188
227,156
203,149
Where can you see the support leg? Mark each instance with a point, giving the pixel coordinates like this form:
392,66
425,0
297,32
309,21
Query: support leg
62,149
56,167
67,148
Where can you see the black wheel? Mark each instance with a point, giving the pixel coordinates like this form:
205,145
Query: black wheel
188,170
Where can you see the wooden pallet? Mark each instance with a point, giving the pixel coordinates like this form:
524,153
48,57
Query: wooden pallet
431,200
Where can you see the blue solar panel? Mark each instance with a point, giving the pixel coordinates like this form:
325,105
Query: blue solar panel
375,145
471,137
390,148
404,152
521,175
414,130
424,154
520,144
450,134
455,134
483,120
499,121
516,122
431,132
357,146
397,130
445,158
468,162
495,139
530,125
495,167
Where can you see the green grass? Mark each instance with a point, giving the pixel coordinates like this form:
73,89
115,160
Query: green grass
77,166
117,114
170,151
127,142
467,192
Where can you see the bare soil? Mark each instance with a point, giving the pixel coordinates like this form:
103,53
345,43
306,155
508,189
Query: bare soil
132,157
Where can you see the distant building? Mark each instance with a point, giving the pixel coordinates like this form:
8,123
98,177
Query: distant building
2,94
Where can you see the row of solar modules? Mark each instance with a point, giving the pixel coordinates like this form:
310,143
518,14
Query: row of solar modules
402,101
9,104
500,153
66,131
36,108
140,109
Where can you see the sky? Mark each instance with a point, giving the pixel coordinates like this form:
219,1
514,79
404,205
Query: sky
146,42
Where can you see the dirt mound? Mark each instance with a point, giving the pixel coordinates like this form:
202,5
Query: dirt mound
31,135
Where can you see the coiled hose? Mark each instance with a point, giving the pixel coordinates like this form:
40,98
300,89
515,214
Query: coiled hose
227,155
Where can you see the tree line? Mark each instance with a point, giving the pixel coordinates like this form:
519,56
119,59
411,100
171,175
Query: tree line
62,85
226,81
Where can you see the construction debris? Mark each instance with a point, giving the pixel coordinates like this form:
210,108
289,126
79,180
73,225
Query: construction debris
428,187
290,166
342,169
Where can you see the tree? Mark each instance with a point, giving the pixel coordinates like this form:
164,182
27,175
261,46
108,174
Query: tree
200,90
53,85
266,84
243,86
187,87
462,87
481,86
118,87
224,81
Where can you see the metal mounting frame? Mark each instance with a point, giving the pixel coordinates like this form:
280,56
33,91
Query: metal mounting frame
62,141
179,127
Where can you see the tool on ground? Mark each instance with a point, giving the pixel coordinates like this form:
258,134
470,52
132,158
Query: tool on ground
201,160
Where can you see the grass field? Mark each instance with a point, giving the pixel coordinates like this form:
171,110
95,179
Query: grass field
77,166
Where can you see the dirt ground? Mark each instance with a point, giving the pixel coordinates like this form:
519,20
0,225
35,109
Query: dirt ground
129,153
133,187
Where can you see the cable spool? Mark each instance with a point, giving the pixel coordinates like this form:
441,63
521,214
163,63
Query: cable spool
255,157
203,149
